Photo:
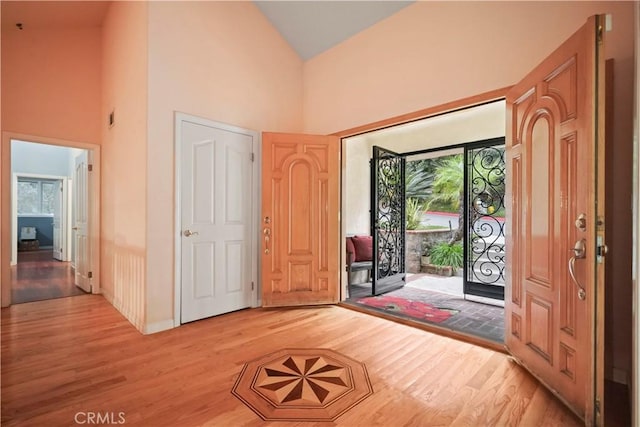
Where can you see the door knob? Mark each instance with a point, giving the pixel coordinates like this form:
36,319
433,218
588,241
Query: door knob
188,233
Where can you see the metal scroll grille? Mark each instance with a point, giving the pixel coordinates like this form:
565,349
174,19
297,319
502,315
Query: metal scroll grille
486,211
388,220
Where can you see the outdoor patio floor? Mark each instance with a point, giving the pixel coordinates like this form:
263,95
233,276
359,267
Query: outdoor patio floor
474,318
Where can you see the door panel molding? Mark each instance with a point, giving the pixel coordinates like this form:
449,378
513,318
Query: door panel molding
231,200
552,138
300,219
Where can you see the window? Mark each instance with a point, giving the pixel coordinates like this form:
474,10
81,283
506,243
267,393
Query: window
36,196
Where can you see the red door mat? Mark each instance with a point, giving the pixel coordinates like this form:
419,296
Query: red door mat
409,308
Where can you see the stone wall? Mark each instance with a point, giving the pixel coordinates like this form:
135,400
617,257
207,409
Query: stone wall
418,243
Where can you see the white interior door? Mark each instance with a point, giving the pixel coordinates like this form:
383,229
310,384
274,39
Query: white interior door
58,222
81,220
216,210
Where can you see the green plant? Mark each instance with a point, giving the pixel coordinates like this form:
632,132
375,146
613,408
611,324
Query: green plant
414,211
445,254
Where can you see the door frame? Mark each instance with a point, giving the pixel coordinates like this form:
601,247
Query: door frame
66,228
93,151
438,110
179,119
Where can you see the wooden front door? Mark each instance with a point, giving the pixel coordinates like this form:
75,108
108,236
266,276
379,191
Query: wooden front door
553,305
300,219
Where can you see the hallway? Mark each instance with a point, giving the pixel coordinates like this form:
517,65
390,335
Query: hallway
37,276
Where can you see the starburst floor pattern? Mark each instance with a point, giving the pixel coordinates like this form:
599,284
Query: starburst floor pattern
302,384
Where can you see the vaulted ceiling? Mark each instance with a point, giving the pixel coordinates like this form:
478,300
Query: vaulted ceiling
310,27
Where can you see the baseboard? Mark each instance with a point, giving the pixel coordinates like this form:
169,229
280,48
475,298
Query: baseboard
154,327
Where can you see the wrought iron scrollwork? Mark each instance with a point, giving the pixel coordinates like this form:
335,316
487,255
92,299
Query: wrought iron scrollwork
486,169
388,215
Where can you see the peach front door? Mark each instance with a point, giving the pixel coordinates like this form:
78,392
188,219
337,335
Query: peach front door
554,295
300,219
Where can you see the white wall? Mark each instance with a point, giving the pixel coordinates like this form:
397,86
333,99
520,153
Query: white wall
41,159
473,124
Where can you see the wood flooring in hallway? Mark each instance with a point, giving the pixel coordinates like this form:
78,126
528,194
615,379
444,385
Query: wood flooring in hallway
37,276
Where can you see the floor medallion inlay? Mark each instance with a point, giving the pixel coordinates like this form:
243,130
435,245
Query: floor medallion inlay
302,384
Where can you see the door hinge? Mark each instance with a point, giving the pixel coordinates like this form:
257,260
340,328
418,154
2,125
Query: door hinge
90,275
597,406
253,157
90,168
253,285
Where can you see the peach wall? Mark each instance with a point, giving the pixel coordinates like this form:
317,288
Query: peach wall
51,82
431,53
222,61
50,90
124,153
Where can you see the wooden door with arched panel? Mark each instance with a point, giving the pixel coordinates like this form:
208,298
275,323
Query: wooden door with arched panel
555,156
300,219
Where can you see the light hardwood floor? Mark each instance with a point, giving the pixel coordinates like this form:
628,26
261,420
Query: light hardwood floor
78,354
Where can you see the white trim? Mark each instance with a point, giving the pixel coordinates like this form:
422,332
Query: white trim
69,223
154,327
15,176
93,154
180,118
93,157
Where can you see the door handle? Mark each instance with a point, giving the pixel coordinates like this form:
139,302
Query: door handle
189,233
579,252
267,239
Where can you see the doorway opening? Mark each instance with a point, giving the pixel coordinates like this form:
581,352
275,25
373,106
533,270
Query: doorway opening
50,211
433,208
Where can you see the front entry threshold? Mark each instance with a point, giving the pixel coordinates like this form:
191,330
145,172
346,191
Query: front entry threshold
438,330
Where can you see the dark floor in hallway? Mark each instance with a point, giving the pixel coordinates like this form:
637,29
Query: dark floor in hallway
37,276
